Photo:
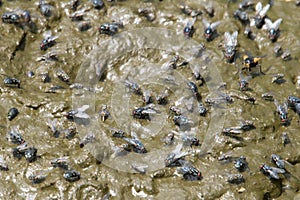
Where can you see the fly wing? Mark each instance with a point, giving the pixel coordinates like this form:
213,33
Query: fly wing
234,38
83,108
205,23
191,22
215,25
264,11
277,23
277,170
258,7
269,23
227,39
134,135
82,115
53,38
276,103
47,34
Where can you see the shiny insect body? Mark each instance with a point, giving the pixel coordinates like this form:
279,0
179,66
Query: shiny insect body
88,138
297,108
189,140
62,163
293,101
144,112
109,28
45,8
18,152
280,163
162,98
244,126
15,137
278,78
189,172
134,87
273,29
136,144
230,43
246,4
241,164
250,62
104,113
183,122
242,16
37,178
117,132
189,30
147,97
235,178
48,41
78,15
271,172
202,109
30,154
282,111
194,89
268,96
71,175
210,29
244,82
285,139
12,82
10,18
98,4
12,113
62,75
260,15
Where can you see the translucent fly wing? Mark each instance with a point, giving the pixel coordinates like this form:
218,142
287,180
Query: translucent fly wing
133,135
277,23
277,170
47,34
215,25
205,23
140,168
258,7
234,38
269,23
83,108
264,11
191,22
276,103
227,38
149,112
